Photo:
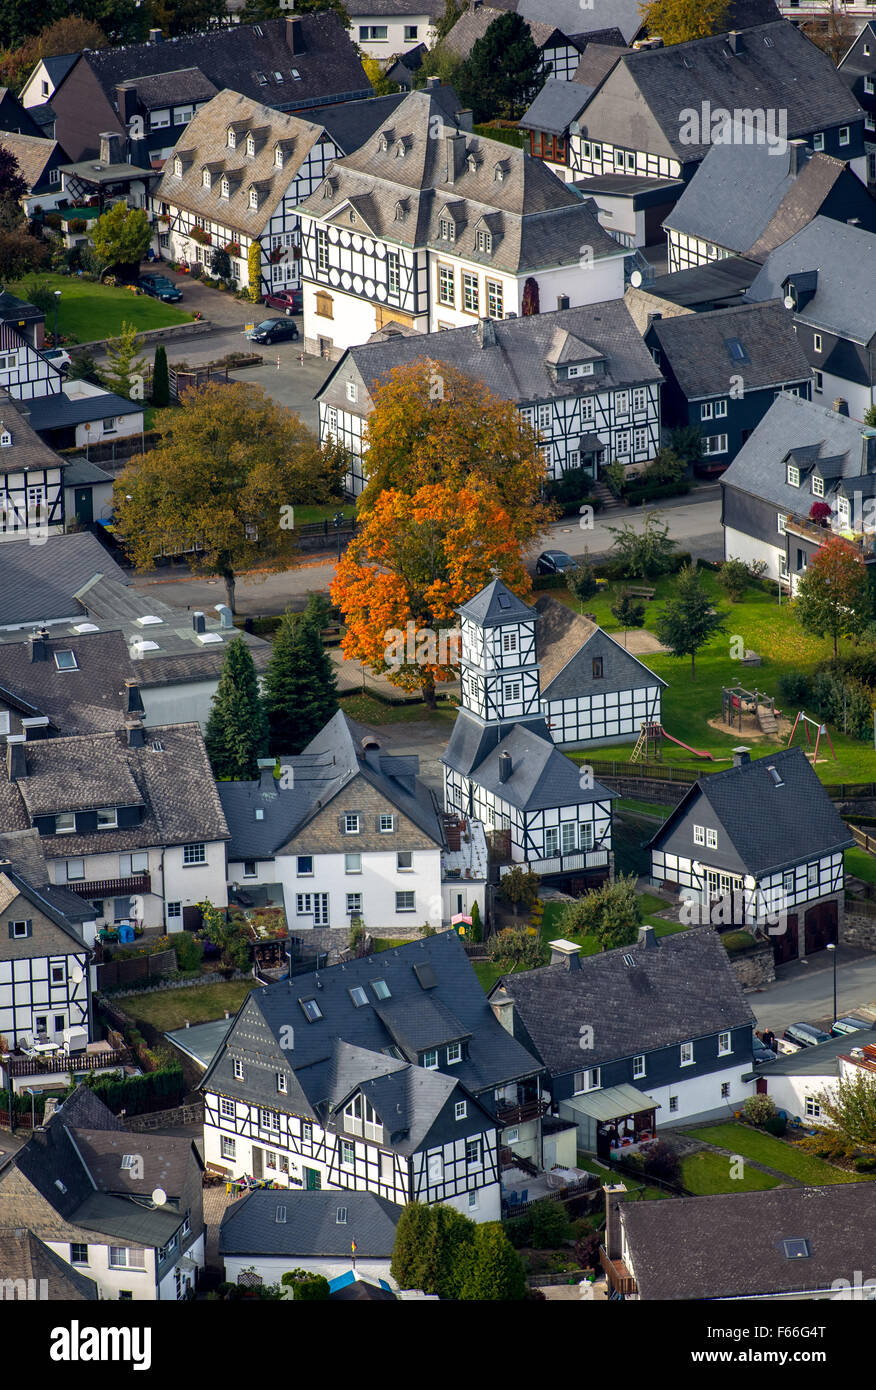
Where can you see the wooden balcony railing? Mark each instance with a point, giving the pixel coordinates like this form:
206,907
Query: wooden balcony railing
111,887
618,1275
65,1062
518,1114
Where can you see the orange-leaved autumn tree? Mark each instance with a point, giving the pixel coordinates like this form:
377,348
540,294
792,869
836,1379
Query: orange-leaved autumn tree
834,597
415,560
432,424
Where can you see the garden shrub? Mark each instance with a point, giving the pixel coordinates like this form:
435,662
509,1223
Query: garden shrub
189,952
550,1224
795,689
659,1160
758,1109
776,1124
518,1229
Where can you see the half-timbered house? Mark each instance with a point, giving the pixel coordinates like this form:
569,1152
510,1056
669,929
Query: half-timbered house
763,840
559,55
408,1106
502,765
44,960
434,227
581,378
31,478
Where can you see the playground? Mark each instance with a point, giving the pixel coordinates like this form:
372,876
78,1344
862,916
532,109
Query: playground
750,713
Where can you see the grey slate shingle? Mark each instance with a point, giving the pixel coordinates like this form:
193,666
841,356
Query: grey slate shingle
694,345
844,302
311,1229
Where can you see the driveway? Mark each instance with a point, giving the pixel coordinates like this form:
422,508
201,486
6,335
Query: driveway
803,991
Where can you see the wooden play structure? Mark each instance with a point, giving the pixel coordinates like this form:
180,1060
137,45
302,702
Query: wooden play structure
737,704
819,730
649,745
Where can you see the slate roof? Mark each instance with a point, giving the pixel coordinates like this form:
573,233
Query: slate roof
474,23
394,8
27,450
556,106
695,347
174,786
536,220
496,605
769,826
572,19
792,423
770,202
597,61
14,117
58,66
204,143
493,1058
680,988
186,85
331,761
60,410
24,1256
11,881
731,1246
844,302
541,776
349,123
165,1161
311,1229
32,154
510,358
90,699
716,285
797,76
566,642
854,63
37,582
327,61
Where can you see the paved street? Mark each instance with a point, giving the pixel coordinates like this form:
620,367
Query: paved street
803,993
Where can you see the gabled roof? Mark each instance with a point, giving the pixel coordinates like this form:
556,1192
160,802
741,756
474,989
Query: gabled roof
27,450
165,1161
680,988
310,1227
89,699
732,1246
694,347
24,1256
556,106
12,882
37,581
770,826
791,423
566,642
776,194
474,23
844,302
541,776
58,66
32,154
186,85
854,63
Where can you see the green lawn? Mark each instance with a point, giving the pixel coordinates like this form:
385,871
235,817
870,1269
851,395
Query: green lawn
645,808
386,943
169,1009
767,628
305,516
368,710
706,1173
89,311
775,1153
861,864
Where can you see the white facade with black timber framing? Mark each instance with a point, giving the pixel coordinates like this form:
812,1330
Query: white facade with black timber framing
44,966
31,478
23,372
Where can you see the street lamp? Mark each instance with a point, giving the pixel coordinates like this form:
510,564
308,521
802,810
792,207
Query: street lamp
57,306
338,521
832,948
32,1095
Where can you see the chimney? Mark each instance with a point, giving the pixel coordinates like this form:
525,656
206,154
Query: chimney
647,939
841,406
506,766
615,1193
39,647
503,1008
565,953
267,780
562,301
134,702
654,318
432,83
16,759
734,41
741,755
126,102
226,618
294,36
455,145
155,36
136,732
486,331
199,622
796,156
35,728
464,119
50,1108
111,147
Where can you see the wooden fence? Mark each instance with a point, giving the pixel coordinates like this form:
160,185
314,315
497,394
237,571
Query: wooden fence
867,842
127,972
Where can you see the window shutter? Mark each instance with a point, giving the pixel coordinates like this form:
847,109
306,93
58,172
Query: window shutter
341,820
11,930
377,823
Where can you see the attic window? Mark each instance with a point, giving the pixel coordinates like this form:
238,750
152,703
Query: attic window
205,178
400,212
312,1011
278,77
261,79
158,746
498,173
425,975
381,989
797,1248
148,620
66,661
60,1186
485,242
129,1161
296,75
382,143
278,157
793,475
5,439
280,1216
768,41
472,164
735,350
341,1217
328,188
358,996
776,776
253,198
629,960
177,167
250,146
225,188
447,229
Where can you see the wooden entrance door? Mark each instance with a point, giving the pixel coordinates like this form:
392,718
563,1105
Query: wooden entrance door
312,1179
820,927
785,946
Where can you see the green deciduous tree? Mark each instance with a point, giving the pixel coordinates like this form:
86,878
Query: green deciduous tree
646,552
519,887
299,686
226,933
612,913
160,378
124,374
121,236
581,581
20,252
503,72
237,729
629,612
687,621
852,1109
678,21
834,598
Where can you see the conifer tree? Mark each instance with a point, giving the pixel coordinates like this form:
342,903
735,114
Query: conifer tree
237,729
494,1270
300,692
160,378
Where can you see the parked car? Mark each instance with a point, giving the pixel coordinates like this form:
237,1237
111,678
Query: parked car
554,562
273,331
761,1053
290,301
58,358
849,1024
159,287
805,1035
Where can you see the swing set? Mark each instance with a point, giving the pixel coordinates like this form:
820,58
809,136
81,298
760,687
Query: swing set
819,730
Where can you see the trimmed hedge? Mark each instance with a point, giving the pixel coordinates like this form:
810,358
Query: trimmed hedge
632,496
138,1095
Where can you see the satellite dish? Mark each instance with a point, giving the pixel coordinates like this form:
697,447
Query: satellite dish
789,301
76,973
636,279
159,1196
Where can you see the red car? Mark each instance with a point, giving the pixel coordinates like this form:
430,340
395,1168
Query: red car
290,301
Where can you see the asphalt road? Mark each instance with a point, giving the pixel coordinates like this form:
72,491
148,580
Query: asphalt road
803,993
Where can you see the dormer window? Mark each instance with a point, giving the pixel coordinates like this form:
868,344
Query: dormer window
498,173
485,242
5,439
177,168
447,229
232,138
382,143
793,475
253,198
278,157
472,163
400,149
250,147
226,188
328,188
205,178
352,216
817,486
400,212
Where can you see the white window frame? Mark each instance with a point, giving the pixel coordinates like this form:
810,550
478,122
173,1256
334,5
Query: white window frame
460,1110
699,835
793,476
817,486
194,854
639,1067
351,823
816,342
686,1054
725,1047
583,1081
711,838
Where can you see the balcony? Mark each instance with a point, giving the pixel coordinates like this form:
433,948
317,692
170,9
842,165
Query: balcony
810,531
94,1058
519,1114
111,887
617,1274
567,863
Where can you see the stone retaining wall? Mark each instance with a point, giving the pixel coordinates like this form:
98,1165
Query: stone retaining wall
858,930
195,329
754,967
640,789
167,1119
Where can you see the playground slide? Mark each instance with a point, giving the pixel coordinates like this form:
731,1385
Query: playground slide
696,751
